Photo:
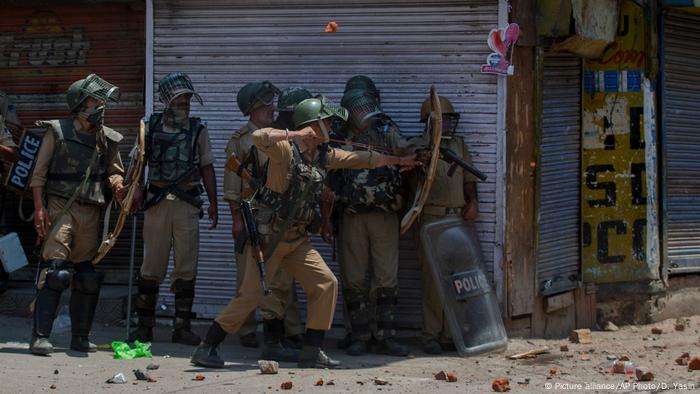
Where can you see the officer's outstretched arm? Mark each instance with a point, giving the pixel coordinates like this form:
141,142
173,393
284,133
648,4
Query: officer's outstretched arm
209,180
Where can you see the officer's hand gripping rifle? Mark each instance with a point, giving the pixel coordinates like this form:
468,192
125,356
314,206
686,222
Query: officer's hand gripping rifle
234,165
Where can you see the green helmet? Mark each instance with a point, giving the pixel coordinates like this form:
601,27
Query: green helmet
91,86
256,94
315,109
290,97
175,84
362,82
361,105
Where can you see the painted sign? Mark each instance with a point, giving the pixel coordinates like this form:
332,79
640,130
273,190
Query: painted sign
614,197
501,42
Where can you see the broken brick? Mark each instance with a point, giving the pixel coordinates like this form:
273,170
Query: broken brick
199,378
563,348
441,375
500,385
694,364
643,374
286,386
582,336
52,387
319,382
380,382
657,331
451,377
552,371
684,359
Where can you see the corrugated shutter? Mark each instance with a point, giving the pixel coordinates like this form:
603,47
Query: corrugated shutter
403,46
558,243
681,142
46,47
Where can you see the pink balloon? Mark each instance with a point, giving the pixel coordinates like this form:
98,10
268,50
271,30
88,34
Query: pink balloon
512,34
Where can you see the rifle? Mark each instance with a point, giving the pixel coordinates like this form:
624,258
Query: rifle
449,156
254,238
251,228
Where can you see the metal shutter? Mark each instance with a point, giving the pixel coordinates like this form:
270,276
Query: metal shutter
403,46
43,49
681,142
558,243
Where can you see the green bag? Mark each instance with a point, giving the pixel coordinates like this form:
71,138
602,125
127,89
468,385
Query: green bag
122,351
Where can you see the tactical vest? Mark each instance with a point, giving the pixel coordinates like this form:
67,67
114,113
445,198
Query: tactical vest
368,190
71,157
171,156
303,174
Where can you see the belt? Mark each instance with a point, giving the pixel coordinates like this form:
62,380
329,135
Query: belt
442,211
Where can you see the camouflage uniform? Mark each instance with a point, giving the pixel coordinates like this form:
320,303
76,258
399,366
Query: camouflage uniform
369,237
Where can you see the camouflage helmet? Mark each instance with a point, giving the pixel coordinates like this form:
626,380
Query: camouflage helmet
256,94
361,105
175,84
91,86
362,82
315,109
290,97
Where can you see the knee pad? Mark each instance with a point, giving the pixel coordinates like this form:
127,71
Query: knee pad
88,282
148,286
387,295
57,277
183,288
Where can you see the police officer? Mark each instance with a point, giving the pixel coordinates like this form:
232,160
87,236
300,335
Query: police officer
78,159
449,196
280,308
8,123
369,227
295,179
179,156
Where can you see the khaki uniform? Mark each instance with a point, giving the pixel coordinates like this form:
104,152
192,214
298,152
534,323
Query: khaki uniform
282,301
294,252
7,116
174,223
369,239
446,199
74,236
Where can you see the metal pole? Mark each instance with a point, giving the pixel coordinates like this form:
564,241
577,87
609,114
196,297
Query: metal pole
131,275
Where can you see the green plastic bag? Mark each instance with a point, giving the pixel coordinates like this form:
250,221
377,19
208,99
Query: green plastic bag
122,351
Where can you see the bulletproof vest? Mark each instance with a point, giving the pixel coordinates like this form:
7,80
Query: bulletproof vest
71,157
172,156
365,190
303,173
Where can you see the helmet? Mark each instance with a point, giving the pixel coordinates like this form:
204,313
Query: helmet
361,105
91,86
450,118
315,109
290,97
255,94
426,108
362,82
173,85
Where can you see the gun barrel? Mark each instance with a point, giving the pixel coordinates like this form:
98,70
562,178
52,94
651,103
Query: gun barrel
451,157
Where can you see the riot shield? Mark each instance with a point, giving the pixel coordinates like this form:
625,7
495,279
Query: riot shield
452,250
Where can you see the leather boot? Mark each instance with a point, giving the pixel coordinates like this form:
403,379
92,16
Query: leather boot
83,303
145,304
273,349
206,354
314,357
184,298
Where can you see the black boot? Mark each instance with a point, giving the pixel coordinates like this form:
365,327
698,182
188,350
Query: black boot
184,298
83,302
311,354
356,301
146,309
206,354
45,306
386,315
273,348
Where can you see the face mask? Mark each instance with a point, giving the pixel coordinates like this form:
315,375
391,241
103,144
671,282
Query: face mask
178,116
94,116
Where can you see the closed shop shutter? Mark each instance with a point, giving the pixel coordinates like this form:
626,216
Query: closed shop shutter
680,95
404,46
558,241
44,47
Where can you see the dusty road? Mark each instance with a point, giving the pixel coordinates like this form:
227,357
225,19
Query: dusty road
581,368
